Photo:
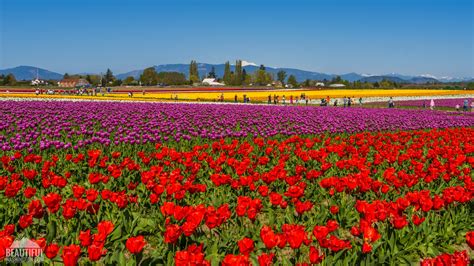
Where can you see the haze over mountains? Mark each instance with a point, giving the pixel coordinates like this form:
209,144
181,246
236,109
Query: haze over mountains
31,72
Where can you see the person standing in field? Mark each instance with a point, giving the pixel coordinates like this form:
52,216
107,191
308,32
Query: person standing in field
269,99
432,104
344,101
283,100
465,105
390,103
349,102
360,101
457,107
291,99
235,98
335,103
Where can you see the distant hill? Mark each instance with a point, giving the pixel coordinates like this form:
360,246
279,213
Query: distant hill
423,80
29,73
381,78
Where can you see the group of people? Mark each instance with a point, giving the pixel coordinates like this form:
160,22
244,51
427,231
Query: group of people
304,99
75,91
465,106
296,100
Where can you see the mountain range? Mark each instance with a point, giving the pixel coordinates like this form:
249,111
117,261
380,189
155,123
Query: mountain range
31,72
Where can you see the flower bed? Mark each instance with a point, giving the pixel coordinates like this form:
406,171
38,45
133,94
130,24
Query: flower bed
438,102
34,124
98,182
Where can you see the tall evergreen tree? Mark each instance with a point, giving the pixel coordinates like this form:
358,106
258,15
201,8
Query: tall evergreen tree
227,74
212,74
109,76
193,72
238,77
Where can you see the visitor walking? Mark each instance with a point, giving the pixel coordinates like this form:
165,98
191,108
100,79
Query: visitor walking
335,103
349,102
432,104
291,99
457,107
283,100
344,101
269,99
465,105
360,101
235,98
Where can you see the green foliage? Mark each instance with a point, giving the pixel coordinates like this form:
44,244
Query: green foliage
128,80
292,81
281,76
227,74
149,76
193,72
238,74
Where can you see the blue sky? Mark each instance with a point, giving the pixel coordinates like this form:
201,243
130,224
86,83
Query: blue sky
331,36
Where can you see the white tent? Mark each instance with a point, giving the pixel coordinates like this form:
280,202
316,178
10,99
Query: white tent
211,82
337,85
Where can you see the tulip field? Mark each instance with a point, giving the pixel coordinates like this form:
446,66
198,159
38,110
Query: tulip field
144,183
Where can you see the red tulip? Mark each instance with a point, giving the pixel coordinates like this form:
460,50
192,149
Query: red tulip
70,255
246,245
135,244
51,250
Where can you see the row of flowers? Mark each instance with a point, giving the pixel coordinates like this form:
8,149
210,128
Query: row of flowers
32,125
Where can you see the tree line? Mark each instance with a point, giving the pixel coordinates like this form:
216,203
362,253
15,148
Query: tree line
232,76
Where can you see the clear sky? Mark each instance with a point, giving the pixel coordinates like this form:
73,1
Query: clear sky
331,36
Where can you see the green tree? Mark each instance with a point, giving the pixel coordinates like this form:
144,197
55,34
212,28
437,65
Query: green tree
93,79
171,78
281,76
128,80
66,76
149,76
193,72
292,81
10,80
260,77
212,74
307,83
227,74
238,77
336,79
109,76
